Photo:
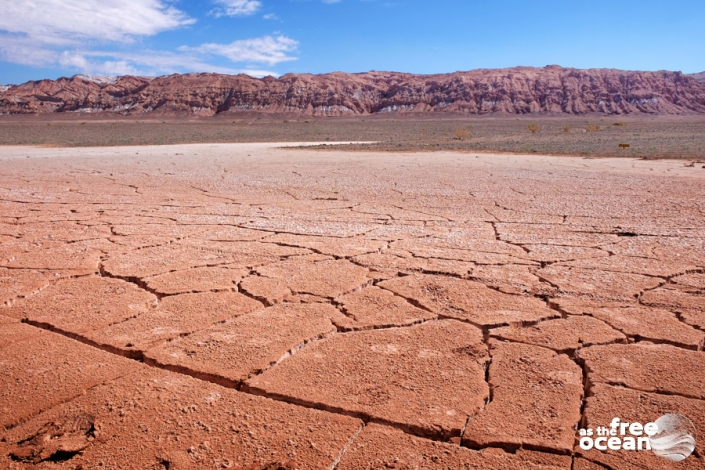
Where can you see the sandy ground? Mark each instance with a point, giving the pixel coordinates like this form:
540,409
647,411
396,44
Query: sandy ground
250,306
649,137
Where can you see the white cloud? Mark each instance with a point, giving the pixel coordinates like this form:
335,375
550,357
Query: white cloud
70,21
109,65
101,37
118,67
105,62
267,49
238,7
164,62
72,60
21,50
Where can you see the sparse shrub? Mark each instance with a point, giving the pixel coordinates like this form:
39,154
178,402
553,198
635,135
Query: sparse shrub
592,128
533,128
567,128
460,134
285,121
620,124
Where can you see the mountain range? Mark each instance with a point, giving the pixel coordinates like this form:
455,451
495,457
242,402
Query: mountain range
518,90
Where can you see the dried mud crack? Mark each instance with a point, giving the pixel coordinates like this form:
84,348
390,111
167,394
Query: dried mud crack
328,318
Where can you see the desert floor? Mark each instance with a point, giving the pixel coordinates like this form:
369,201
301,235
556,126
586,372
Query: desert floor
248,306
649,137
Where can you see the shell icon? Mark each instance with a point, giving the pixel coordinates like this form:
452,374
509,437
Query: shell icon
674,439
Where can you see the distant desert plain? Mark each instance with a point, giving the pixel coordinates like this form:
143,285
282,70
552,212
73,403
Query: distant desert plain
550,110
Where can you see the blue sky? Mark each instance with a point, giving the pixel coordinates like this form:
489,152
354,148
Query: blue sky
53,38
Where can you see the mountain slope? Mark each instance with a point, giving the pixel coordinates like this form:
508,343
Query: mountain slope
519,90
698,76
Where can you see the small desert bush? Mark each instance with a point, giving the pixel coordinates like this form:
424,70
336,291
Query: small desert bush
620,124
533,128
567,128
460,134
592,128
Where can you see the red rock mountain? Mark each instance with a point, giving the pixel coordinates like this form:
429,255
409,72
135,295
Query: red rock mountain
519,90
699,76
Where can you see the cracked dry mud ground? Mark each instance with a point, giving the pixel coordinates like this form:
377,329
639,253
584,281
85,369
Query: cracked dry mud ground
246,306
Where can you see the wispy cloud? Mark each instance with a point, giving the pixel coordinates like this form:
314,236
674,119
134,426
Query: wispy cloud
267,49
238,7
143,62
70,21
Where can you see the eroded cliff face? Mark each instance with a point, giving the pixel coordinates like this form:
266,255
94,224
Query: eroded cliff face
698,76
519,90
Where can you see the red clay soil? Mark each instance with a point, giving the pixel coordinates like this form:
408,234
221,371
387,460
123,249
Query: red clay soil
250,307
159,419
687,303
512,280
179,256
652,324
47,369
13,331
21,283
196,280
561,334
378,308
597,284
670,369
407,376
387,266
175,316
468,300
383,447
307,275
546,387
232,351
84,304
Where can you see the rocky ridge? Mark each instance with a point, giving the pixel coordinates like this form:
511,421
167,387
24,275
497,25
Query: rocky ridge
699,76
519,90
